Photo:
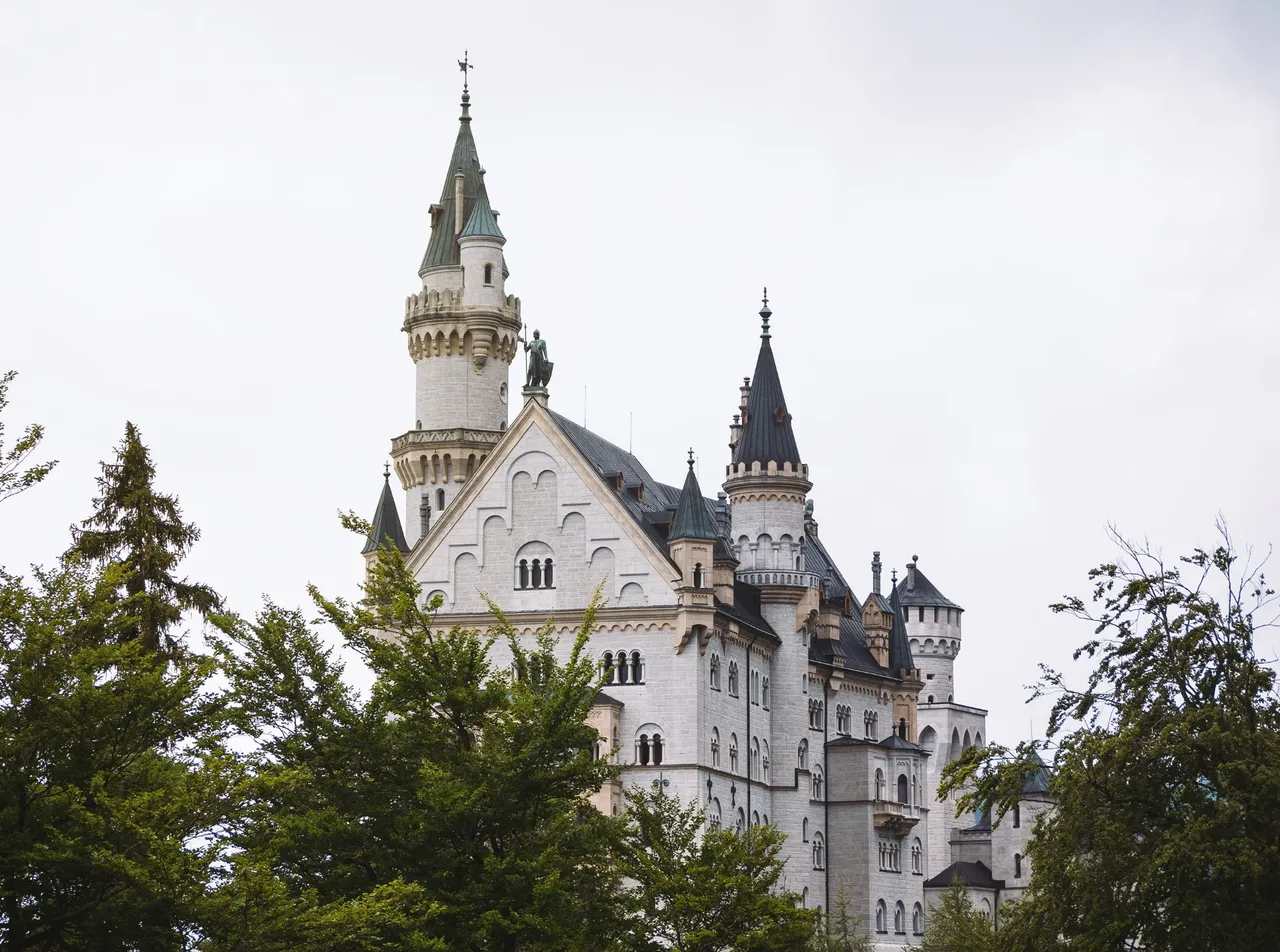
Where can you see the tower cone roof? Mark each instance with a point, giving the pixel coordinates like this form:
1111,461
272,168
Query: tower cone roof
766,432
386,521
899,644
692,520
483,222
442,248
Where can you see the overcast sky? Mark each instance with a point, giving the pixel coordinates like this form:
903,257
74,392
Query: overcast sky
1024,263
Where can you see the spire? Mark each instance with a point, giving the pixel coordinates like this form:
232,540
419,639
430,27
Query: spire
766,431
692,520
483,222
386,520
899,645
442,248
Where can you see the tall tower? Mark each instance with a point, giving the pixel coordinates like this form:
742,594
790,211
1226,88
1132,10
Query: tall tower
462,331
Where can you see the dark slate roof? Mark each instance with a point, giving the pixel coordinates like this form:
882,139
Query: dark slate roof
442,248
746,609
1038,781
602,698
894,742
693,518
925,593
899,645
766,432
722,553
386,522
971,874
483,223
818,559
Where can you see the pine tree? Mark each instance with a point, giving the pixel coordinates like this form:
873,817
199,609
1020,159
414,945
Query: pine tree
956,926
143,531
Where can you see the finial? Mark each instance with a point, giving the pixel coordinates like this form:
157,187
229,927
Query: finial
915,558
386,471
691,457
465,65
893,576
765,314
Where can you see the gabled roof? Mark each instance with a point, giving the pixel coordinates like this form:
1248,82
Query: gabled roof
899,645
483,222
925,592
766,432
817,559
693,519
386,522
976,875
442,248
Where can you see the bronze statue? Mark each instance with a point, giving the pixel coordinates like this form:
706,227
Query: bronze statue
539,371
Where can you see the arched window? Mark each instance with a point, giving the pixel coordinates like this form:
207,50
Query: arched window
1017,865
755,817
439,500
881,915
713,814
815,785
755,687
733,753
900,918
802,756
637,668
742,820
733,678
697,575
917,857
715,747
524,573
819,852
804,830
606,665
917,920
642,750
546,575
536,574
715,672
657,749
902,788
764,761
879,784
930,701
985,908
488,274
754,766
764,693
804,898
1017,815
623,671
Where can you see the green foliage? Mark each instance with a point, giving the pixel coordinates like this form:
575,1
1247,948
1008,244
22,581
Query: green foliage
450,808
841,930
1166,832
706,891
114,780
143,531
955,926
13,477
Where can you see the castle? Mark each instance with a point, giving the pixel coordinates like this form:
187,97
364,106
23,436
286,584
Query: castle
743,671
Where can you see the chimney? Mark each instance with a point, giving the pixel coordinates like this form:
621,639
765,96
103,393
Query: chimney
457,202
911,573
722,507
735,432
745,390
875,572
424,514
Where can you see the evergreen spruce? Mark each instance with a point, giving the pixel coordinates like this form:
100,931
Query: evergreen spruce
142,530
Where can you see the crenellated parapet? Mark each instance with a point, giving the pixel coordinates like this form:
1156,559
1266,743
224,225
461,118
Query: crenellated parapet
439,325
767,483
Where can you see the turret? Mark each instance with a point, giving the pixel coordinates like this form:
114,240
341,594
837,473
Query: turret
933,633
691,544
386,528
877,617
462,330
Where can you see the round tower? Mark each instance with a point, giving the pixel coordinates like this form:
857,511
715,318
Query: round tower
462,330
933,627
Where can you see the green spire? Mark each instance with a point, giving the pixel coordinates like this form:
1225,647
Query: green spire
692,520
483,222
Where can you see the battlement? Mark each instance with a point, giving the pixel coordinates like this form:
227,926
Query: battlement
426,304
770,469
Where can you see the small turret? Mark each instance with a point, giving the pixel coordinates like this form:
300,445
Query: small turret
933,632
693,533
386,529
877,617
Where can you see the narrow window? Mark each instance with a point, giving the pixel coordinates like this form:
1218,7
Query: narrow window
935,614
715,747
488,274
802,756
900,919
537,573
819,853
1017,865
804,830
880,916
546,574
524,573
917,920
608,664
622,667
902,788
697,575
637,669
948,616
930,701
1017,816
765,689
733,753
644,749
879,784
657,749
921,613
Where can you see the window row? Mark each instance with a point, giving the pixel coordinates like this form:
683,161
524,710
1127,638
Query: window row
649,750
716,822
908,790
899,918
817,714
621,668
759,684
759,689
757,763
891,857
952,615
540,573
844,719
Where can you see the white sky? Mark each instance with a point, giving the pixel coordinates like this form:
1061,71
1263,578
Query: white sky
1024,263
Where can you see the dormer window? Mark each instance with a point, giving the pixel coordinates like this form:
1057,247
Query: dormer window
488,274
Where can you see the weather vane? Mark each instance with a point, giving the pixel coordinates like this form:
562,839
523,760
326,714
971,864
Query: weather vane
464,65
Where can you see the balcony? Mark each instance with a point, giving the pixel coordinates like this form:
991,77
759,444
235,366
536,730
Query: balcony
894,818
788,578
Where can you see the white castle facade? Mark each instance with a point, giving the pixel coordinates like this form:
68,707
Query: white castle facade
745,674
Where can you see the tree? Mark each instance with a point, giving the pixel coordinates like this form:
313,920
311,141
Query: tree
706,890
841,930
143,531
13,478
114,779
956,926
447,809
1166,833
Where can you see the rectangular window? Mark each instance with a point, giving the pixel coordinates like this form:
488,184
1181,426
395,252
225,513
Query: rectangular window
921,613
948,616
935,614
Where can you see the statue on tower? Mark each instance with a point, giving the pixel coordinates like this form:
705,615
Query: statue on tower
539,368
